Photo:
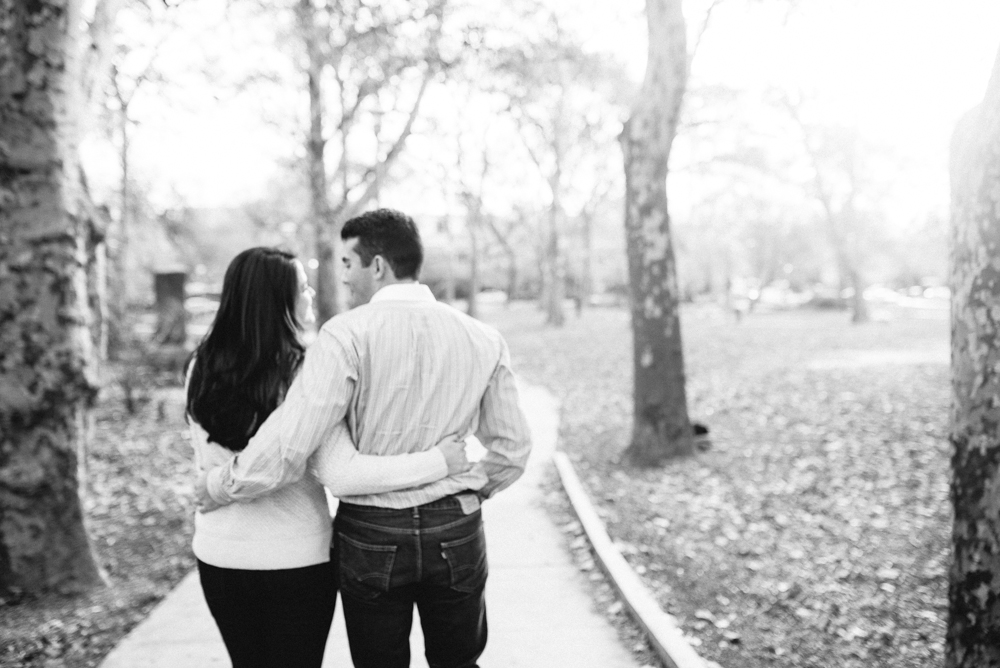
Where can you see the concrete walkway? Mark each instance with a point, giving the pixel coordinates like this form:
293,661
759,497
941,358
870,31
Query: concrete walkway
540,613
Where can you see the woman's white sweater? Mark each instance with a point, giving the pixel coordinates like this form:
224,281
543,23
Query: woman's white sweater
291,528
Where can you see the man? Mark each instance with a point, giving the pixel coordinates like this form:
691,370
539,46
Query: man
406,371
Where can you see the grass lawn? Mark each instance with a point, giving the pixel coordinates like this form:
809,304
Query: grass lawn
816,530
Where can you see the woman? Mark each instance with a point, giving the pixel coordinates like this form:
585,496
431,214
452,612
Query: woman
264,564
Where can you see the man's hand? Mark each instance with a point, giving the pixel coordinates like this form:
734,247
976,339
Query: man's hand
206,503
453,450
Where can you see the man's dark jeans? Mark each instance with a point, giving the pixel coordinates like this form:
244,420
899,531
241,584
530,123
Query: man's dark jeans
433,556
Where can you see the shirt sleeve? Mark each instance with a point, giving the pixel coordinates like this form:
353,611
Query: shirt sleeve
344,471
315,404
503,429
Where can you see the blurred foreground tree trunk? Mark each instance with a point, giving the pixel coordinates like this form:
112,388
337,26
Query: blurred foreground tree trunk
973,638
661,428
46,355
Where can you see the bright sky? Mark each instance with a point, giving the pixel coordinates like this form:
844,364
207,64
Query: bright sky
905,67
904,70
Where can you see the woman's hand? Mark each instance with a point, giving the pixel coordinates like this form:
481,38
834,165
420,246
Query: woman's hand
206,503
453,450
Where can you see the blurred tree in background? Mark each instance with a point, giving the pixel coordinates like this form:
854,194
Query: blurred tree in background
661,428
379,58
566,104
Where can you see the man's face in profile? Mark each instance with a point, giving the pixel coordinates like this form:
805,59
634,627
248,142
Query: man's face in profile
359,280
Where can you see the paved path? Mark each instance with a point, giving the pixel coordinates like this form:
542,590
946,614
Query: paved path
540,613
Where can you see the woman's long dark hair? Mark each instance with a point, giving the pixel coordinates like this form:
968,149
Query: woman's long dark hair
244,365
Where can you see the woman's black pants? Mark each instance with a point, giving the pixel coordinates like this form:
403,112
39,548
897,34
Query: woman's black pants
272,618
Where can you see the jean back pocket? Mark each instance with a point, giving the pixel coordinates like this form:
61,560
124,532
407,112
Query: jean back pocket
466,559
364,569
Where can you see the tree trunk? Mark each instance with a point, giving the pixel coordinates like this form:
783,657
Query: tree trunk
586,283
97,279
843,231
325,233
474,212
974,588
95,70
96,66
171,318
555,314
511,258
46,356
661,428
118,243
511,277
541,248
859,307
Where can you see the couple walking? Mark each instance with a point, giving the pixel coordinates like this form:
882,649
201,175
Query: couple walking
375,410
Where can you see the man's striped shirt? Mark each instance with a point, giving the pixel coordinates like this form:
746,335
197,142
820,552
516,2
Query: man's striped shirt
407,371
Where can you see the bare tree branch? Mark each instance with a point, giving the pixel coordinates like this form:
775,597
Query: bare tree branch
701,32
374,175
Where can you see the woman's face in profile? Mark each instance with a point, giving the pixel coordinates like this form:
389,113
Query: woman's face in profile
304,303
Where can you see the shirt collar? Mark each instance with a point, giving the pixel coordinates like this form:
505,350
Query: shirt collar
406,292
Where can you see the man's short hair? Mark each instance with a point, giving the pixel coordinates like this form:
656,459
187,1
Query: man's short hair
391,234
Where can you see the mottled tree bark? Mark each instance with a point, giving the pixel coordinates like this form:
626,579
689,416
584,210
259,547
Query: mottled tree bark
46,355
661,428
973,638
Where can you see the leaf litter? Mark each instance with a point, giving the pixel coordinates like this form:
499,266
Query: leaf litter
138,508
816,529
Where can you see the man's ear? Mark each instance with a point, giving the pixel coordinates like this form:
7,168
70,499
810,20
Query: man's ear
380,266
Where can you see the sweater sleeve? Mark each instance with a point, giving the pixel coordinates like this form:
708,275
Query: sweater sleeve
345,472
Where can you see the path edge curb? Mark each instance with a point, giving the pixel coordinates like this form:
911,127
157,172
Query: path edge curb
662,632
